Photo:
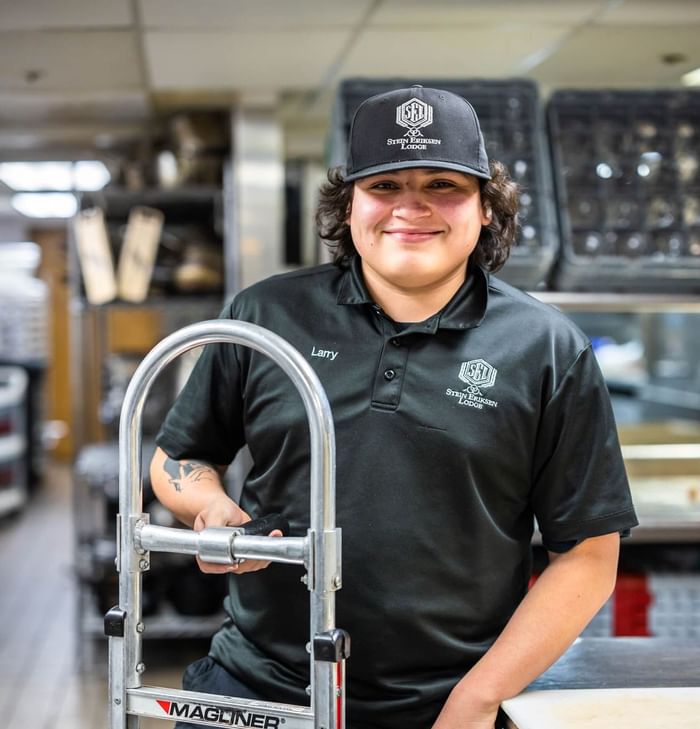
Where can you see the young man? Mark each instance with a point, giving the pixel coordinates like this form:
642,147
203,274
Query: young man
463,408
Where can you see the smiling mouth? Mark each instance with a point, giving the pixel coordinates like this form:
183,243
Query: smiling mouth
412,234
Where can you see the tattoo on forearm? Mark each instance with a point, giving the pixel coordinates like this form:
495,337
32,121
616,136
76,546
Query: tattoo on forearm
182,472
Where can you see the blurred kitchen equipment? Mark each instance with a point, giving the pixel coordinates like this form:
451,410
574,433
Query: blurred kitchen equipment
627,188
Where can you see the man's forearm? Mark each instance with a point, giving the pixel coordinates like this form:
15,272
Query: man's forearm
193,491
554,612
185,487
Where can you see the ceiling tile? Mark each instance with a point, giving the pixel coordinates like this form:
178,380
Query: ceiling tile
652,12
450,53
610,56
449,13
45,14
79,61
69,61
242,61
250,14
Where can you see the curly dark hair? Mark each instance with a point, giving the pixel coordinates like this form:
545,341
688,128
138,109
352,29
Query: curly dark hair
500,194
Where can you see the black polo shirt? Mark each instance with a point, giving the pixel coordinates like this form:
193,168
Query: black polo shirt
452,434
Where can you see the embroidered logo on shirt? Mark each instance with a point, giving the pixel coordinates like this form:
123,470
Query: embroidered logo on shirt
478,374
323,353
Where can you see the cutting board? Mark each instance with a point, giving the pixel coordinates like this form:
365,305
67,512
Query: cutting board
636,708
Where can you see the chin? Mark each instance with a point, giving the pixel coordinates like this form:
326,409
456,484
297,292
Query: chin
412,278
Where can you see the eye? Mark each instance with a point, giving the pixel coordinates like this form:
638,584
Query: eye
384,185
443,184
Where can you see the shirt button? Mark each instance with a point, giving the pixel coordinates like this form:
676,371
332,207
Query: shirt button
396,342
389,374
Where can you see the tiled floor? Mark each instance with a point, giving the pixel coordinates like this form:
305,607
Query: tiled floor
41,684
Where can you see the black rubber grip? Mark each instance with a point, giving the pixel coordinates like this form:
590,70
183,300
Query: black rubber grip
265,524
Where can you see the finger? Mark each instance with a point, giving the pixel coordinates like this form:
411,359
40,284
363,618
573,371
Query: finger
242,518
249,565
212,568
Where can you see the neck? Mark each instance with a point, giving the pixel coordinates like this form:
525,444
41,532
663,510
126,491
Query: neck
412,304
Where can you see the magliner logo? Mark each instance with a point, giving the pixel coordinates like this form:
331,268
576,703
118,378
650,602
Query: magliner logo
223,716
414,115
477,374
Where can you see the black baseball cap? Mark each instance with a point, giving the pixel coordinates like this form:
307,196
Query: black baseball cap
415,127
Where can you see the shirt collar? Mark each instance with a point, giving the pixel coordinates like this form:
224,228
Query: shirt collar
352,288
465,310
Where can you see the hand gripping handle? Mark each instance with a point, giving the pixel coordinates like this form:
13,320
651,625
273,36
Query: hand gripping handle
264,525
216,544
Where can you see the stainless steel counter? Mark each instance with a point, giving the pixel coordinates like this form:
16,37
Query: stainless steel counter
627,683
624,663
668,528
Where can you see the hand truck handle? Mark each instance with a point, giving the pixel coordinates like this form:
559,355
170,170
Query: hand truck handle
226,545
321,546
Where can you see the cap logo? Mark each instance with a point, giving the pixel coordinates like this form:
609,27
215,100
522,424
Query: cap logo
414,115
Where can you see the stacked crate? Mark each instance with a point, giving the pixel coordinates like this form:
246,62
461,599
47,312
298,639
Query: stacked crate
661,605
674,611
13,444
627,180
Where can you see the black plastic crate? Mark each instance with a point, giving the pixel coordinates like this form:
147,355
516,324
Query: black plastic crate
511,120
627,181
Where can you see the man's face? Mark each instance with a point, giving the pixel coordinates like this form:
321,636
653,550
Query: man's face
415,229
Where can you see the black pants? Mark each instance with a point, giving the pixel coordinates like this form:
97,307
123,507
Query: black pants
207,676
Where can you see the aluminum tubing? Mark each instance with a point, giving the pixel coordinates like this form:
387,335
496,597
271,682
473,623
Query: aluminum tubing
285,550
322,466
221,545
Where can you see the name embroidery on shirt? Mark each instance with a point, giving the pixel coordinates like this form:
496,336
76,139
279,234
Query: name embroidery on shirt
478,374
324,353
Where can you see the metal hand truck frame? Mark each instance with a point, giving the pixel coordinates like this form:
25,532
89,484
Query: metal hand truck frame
319,551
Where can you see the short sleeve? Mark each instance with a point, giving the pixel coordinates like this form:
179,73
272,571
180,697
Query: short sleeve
580,486
206,420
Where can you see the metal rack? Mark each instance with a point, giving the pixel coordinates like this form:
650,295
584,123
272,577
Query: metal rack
95,421
13,443
606,301
659,575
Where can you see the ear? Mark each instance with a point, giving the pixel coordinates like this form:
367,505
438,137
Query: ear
486,214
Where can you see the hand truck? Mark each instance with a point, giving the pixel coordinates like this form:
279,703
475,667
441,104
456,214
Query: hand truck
319,551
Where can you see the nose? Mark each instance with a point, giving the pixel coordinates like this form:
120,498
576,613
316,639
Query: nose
411,206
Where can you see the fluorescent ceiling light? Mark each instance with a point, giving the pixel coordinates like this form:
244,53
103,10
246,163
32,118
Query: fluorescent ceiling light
90,175
30,176
45,204
692,78
86,175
